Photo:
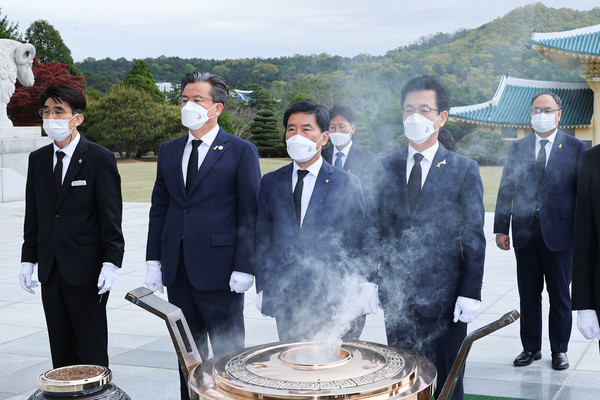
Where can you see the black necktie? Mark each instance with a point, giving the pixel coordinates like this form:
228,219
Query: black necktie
338,159
298,194
540,161
414,181
58,171
192,168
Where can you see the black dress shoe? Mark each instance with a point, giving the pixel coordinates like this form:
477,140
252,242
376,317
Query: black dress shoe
527,357
560,361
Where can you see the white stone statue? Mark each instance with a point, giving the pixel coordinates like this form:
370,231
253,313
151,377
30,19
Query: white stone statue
16,59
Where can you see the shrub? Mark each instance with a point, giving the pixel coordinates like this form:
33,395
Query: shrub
486,148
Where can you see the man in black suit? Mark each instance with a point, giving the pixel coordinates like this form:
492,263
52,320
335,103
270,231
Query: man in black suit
72,230
433,247
359,161
202,220
537,195
586,246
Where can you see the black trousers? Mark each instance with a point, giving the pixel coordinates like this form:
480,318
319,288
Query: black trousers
76,321
218,315
438,340
536,263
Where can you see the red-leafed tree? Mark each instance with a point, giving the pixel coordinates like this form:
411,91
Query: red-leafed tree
25,102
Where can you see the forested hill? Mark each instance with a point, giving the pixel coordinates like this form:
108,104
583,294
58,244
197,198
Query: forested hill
470,62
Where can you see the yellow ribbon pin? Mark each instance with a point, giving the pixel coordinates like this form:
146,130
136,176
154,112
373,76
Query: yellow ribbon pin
560,146
440,163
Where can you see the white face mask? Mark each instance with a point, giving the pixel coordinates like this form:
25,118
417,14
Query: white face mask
543,122
57,129
194,116
301,148
339,138
418,128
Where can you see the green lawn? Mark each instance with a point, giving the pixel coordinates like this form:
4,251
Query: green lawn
138,176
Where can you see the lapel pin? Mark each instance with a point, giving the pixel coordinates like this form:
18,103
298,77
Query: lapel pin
214,148
326,180
560,146
80,161
443,162
220,147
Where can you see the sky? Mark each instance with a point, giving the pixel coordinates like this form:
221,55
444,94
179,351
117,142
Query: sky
230,29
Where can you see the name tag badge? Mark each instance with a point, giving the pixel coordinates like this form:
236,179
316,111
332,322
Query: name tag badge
79,183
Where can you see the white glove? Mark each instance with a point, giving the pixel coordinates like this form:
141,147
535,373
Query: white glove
240,281
587,322
25,277
108,275
153,279
465,309
368,295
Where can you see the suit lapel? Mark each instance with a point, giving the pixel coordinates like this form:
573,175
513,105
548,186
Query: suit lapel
284,191
325,180
217,149
438,167
351,156
79,158
555,155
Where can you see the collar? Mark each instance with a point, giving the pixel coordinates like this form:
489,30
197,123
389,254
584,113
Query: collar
428,153
550,138
344,151
313,169
70,148
208,138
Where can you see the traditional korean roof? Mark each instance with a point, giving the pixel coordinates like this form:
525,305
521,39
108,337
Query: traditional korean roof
568,49
511,104
584,40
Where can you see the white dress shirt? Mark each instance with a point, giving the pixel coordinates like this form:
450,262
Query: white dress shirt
426,162
344,152
309,184
207,140
550,139
68,150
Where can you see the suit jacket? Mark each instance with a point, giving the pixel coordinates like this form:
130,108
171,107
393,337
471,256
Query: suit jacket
586,246
82,227
215,221
518,193
434,254
299,267
358,162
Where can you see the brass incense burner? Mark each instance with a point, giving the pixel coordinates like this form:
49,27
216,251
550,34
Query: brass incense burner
307,370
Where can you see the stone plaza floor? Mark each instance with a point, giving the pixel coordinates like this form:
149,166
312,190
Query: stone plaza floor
143,359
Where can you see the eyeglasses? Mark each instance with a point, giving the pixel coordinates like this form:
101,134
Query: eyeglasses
46,112
421,110
546,110
196,99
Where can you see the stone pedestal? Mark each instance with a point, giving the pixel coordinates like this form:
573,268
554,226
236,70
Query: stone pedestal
15,145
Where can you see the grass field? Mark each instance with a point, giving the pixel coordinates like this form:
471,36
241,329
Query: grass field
138,176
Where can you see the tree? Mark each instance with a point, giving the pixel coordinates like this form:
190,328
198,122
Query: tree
260,98
265,134
140,77
49,46
129,121
9,30
25,102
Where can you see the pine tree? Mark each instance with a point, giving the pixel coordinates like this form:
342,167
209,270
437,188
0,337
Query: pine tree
265,134
140,77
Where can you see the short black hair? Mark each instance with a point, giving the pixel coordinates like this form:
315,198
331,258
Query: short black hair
344,110
553,95
63,93
309,106
219,90
428,82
